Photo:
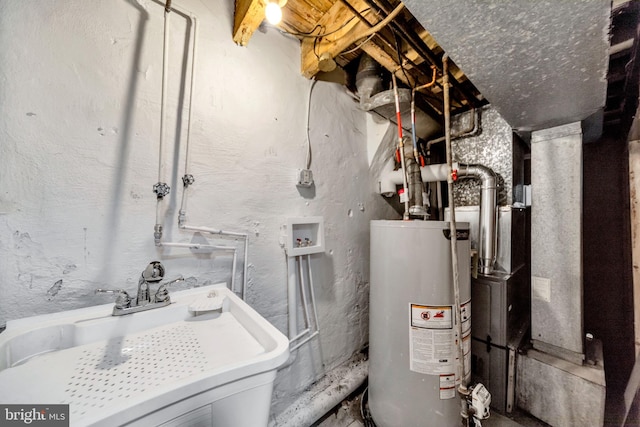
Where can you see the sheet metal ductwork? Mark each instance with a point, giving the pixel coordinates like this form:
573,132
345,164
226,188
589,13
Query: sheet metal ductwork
370,84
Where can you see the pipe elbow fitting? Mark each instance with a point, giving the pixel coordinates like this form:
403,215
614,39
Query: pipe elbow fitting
388,180
487,176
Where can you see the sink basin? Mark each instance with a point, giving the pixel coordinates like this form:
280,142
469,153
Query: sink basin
37,335
206,347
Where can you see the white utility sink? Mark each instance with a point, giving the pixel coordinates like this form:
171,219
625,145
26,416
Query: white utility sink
206,351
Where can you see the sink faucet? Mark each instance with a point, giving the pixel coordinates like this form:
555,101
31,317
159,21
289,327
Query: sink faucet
143,301
153,273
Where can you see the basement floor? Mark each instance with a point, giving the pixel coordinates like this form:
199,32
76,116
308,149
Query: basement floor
348,414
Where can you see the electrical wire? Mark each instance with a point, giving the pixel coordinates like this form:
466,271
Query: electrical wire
359,45
308,161
400,62
319,36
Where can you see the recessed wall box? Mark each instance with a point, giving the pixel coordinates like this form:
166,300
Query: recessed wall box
305,236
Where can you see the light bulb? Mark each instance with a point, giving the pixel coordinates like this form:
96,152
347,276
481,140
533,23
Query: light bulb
273,13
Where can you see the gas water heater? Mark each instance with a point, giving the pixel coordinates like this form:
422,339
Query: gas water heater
412,326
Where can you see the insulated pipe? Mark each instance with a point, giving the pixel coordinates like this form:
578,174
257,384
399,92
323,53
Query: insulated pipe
488,213
405,193
324,395
390,178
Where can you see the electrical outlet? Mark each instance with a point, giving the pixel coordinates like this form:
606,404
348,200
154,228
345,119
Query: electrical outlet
305,178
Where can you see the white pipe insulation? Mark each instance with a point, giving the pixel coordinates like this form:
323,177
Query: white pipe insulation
390,178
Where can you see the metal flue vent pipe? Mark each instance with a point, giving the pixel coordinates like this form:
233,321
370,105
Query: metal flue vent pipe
488,213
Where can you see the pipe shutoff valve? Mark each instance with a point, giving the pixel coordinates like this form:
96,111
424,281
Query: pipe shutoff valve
161,189
479,400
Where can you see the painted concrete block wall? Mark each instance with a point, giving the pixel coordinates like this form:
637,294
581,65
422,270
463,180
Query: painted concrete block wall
79,129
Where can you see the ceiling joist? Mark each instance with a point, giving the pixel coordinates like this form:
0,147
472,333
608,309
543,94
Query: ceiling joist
341,30
248,16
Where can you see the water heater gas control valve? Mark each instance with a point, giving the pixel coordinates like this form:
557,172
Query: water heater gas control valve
479,401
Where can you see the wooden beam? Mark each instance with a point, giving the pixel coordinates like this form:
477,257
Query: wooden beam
248,16
341,27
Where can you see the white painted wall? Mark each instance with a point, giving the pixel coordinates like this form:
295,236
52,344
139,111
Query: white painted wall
79,128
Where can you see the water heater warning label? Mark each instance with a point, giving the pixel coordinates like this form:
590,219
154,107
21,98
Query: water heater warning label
432,317
431,339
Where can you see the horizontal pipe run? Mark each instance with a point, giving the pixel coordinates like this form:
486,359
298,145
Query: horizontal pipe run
295,347
390,178
213,231
300,335
197,246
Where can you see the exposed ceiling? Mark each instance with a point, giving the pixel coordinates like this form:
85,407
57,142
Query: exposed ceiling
539,63
342,30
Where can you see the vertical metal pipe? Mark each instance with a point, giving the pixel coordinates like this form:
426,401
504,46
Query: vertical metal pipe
454,241
488,213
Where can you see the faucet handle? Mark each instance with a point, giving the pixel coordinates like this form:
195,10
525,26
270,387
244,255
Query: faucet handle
123,299
162,293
